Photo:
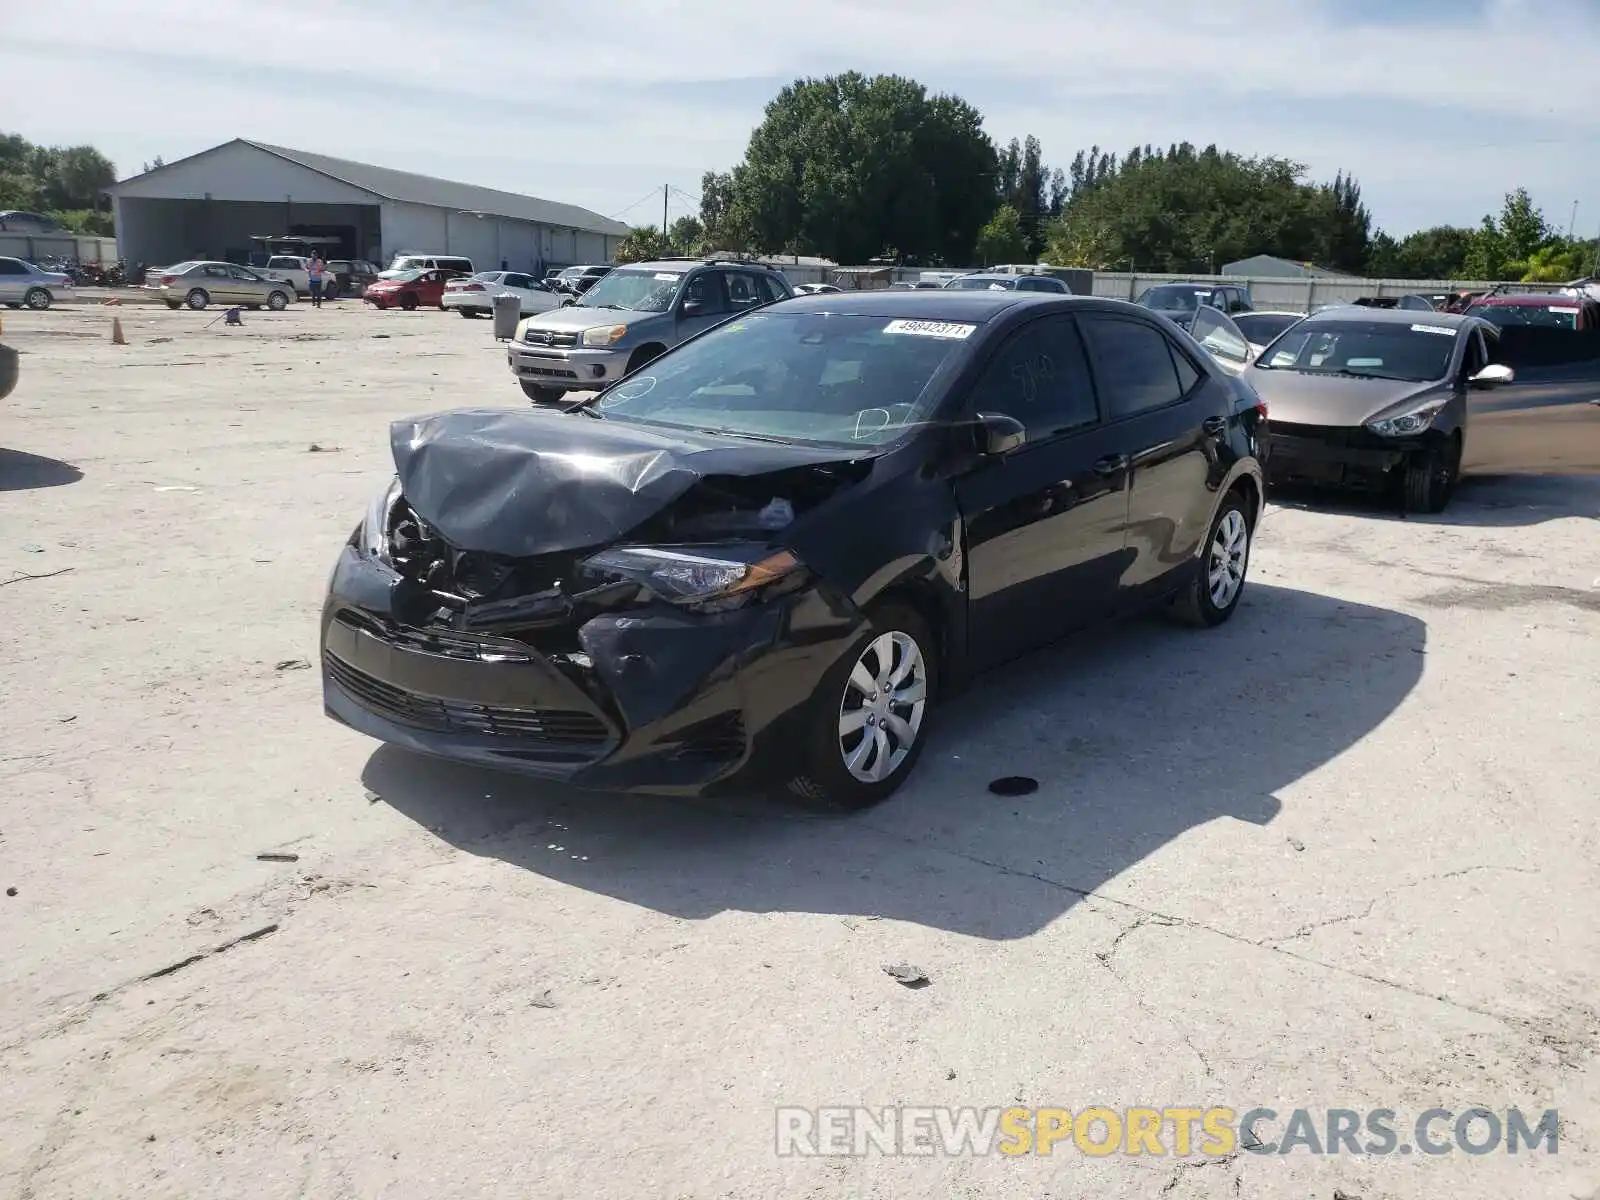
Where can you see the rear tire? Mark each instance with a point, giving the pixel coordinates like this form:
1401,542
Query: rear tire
856,753
174,305
38,299
1210,598
197,299
468,313
1430,479
539,394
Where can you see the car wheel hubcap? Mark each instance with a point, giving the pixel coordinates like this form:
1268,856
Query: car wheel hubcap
1230,554
881,713
38,300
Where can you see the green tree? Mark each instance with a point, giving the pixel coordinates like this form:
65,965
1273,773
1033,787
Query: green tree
643,243
1185,209
716,213
1523,228
1436,253
846,165
66,182
1003,239
687,236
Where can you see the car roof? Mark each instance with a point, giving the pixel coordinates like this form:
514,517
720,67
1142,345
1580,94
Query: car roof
1389,316
931,304
664,265
1527,300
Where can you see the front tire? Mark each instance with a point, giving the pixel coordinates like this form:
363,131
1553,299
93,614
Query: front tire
197,299
1211,597
539,394
868,720
408,302
38,299
1430,479
277,302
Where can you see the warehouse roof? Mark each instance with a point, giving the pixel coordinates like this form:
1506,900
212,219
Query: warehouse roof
440,193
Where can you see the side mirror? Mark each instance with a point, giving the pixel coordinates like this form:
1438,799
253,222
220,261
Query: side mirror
693,308
997,435
1493,376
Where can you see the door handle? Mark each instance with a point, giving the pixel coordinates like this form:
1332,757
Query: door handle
1215,425
1111,464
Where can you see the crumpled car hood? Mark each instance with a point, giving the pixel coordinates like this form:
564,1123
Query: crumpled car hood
527,483
1296,398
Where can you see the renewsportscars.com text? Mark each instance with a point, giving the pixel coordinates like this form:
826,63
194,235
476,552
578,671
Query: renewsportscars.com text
1099,1131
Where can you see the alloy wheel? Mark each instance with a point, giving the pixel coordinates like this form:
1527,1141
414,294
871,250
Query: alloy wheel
1230,555
881,712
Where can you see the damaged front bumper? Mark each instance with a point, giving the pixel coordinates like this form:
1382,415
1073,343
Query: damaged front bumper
1339,456
649,699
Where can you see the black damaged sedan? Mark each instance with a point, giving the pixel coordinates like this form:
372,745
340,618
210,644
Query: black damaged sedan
765,556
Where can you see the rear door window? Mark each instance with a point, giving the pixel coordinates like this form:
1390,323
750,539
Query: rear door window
1133,365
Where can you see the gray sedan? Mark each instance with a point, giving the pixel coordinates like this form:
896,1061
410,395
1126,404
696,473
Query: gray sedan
22,283
197,284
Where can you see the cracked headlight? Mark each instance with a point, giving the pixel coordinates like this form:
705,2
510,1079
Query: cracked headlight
710,582
374,535
1412,421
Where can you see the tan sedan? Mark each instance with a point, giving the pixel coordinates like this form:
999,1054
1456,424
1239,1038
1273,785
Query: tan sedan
197,284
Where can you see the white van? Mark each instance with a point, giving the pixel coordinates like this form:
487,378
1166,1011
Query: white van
411,261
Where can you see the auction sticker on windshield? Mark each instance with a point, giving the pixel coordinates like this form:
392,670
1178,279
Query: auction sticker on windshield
1444,329
949,330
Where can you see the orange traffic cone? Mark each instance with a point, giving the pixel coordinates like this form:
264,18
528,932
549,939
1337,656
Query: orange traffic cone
116,332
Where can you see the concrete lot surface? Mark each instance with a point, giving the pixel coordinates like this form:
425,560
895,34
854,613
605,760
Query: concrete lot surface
1340,853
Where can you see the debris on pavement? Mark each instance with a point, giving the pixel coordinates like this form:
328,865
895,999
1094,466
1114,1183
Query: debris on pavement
11,891
319,448
1013,785
1297,843
293,664
276,857
45,575
543,1000
907,975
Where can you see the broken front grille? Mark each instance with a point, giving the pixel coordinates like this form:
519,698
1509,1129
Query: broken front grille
554,727
438,640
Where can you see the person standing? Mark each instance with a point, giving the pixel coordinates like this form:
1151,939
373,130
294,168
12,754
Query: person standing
314,272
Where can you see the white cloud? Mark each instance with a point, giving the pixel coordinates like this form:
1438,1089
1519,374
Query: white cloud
554,98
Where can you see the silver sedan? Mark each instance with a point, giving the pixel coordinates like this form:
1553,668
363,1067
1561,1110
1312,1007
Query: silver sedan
197,284
23,284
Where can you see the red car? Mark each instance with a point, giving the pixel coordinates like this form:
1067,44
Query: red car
409,289
1551,310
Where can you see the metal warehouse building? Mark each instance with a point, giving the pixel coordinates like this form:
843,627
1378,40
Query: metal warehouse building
211,204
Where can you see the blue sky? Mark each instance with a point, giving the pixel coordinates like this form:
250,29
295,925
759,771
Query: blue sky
1437,106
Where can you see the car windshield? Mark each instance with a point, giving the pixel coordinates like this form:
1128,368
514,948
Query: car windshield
405,264
486,276
1261,328
795,377
1548,316
402,276
179,268
979,283
1167,298
638,291
1376,349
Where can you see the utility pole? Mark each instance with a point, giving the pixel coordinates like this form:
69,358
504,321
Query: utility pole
666,189
1573,223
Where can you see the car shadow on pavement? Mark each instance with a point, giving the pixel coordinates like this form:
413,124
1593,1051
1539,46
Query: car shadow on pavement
22,472
1137,735
1480,501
